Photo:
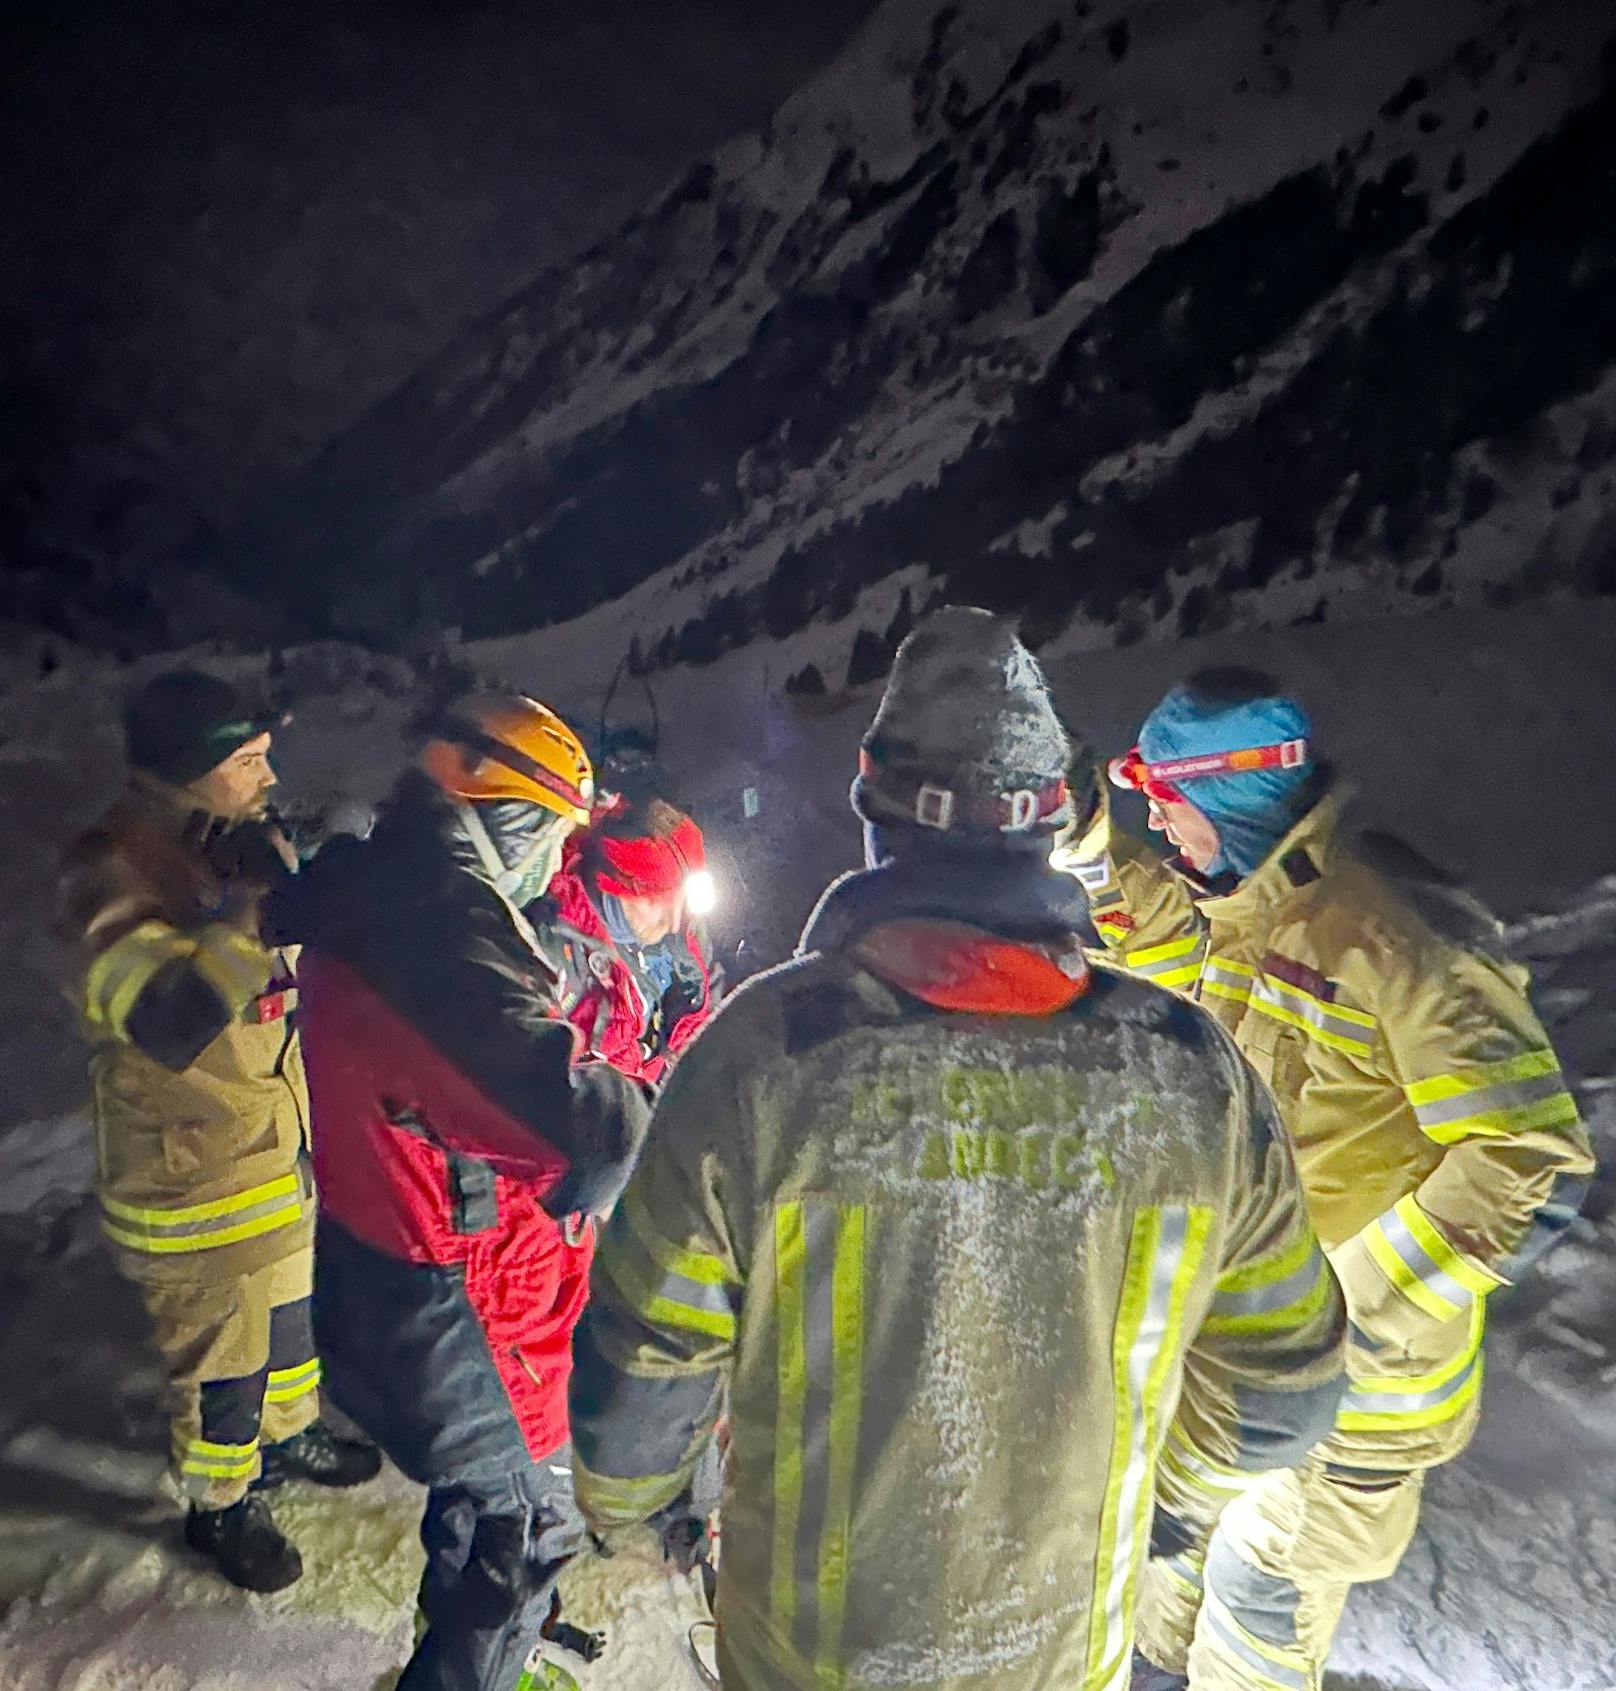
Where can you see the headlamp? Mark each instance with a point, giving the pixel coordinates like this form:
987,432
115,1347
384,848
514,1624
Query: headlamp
701,892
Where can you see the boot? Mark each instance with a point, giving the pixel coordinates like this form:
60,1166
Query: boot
245,1544
1148,1677
317,1454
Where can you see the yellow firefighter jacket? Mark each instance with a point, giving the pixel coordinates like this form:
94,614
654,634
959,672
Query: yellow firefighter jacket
1438,1142
199,1097
957,1269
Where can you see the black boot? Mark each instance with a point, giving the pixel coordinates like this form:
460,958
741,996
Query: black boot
317,1454
245,1544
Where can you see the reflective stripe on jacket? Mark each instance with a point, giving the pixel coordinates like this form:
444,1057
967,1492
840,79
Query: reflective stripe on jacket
198,1091
957,1267
1439,1143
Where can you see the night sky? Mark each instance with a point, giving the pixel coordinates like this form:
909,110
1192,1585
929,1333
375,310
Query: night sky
225,231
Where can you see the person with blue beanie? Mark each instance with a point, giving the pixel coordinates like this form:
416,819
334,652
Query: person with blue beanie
1439,1146
1250,809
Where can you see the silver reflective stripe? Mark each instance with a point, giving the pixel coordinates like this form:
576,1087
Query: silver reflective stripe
1506,1095
660,1294
1269,1672
1266,992
1142,1353
1264,1300
1409,1403
1227,980
1093,872
1419,1263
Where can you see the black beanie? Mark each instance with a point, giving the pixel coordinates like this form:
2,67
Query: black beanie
966,740
180,725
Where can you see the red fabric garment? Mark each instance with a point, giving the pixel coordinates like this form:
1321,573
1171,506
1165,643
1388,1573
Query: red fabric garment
389,1113
608,1005
958,967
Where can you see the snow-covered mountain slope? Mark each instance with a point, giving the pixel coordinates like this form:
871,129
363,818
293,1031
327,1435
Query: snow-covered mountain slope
224,236
1125,314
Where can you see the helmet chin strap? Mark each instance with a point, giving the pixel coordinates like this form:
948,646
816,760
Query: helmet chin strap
506,882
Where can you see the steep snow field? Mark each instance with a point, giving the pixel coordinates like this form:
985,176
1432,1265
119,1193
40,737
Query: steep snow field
1486,737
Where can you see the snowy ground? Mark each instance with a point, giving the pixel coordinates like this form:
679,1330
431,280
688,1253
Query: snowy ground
1489,738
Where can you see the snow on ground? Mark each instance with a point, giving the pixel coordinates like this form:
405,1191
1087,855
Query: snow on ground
1486,738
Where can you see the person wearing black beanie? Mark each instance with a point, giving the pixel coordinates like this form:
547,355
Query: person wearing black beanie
201,1112
953,1221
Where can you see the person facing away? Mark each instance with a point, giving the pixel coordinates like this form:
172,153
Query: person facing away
975,1234
462,1158
201,1112
1439,1145
638,980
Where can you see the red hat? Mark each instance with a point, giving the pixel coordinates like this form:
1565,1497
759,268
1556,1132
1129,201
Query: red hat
649,865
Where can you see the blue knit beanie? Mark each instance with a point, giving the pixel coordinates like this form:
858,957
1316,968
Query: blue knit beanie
1254,809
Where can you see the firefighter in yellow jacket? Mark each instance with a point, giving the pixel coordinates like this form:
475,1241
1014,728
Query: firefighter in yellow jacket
201,1112
975,1235
1437,1140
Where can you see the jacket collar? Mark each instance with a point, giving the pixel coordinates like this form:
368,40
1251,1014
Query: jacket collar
171,812
1303,855
1016,896
954,966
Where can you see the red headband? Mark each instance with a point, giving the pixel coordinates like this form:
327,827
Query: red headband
647,867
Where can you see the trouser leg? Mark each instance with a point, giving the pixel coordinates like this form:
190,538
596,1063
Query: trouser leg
1279,1568
213,1336
292,1393
494,1549
1170,1592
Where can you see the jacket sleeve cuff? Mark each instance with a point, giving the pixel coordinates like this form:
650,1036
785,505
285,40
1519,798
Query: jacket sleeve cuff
1401,1272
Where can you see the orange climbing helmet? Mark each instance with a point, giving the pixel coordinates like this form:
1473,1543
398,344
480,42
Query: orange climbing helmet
507,746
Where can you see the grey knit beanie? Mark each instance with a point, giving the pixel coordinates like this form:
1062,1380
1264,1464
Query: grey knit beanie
966,740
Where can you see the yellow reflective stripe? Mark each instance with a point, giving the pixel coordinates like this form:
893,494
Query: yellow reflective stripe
235,965
656,1306
705,1270
1298,1313
1440,1252
1149,954
218,1461
1222,977
1558,1111
1398,1384
1186,976
846,1406
1164,1255
1130,1317
1269,1270
614,1501
1264,1000
1529,1066
1523,1095
161,1246
122,972
1197,1226
1408,1405
1404,1278
790,1254
1263,1666
1198,1471
287,1383
285,1185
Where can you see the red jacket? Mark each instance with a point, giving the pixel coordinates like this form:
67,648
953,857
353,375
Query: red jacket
606,998
457,1152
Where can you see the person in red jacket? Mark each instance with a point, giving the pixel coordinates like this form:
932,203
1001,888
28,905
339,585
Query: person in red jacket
461,1156
639,980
